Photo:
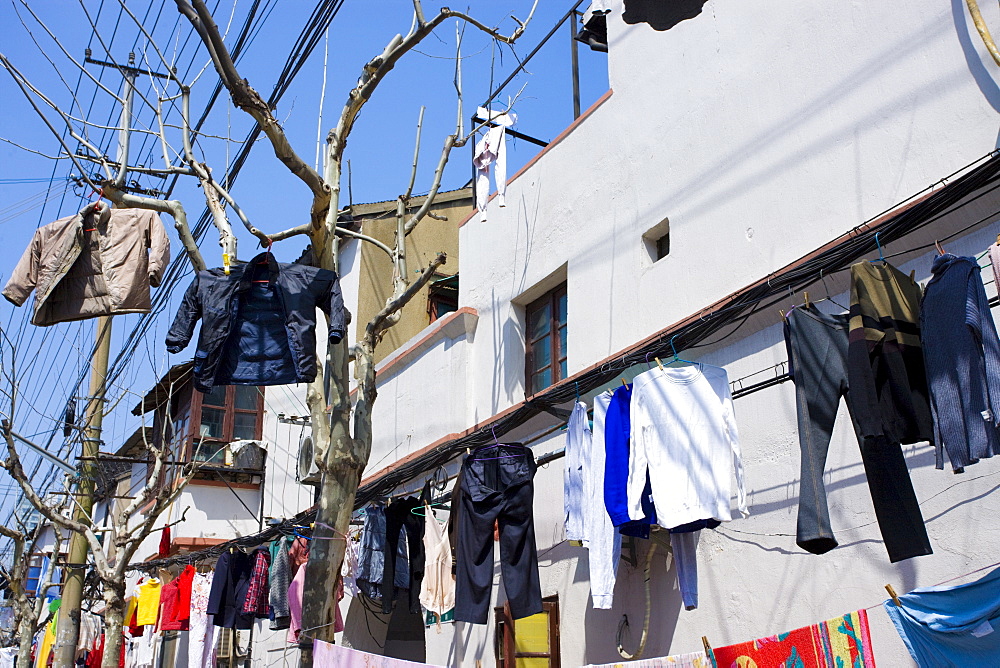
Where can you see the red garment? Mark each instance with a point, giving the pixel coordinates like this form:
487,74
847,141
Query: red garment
96,655
184,581
164,542
170,608
298,554
257,592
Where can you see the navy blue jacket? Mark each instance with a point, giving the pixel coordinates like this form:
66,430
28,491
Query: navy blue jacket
258,325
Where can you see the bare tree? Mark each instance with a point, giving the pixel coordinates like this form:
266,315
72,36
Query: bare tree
27,609
127,528
342,448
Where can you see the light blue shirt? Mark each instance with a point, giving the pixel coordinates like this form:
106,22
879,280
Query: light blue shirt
951,626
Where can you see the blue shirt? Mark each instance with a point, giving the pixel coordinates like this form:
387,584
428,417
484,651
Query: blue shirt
951,626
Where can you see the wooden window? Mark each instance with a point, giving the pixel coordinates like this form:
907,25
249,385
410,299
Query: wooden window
227,413
530,642
545,341
442,297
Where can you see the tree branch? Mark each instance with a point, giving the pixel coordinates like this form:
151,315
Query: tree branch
248,99
376,326
170,206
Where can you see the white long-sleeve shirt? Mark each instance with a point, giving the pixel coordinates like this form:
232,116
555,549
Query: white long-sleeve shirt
684,432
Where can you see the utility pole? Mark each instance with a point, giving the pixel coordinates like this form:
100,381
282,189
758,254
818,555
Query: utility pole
68,628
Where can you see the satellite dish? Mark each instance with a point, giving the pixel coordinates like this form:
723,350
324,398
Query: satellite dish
308,472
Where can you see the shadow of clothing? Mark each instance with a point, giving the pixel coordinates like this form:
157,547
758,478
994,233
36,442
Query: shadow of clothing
661,15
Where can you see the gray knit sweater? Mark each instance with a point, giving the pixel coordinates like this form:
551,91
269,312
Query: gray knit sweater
962,355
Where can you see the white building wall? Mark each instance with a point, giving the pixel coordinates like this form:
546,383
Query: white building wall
761,131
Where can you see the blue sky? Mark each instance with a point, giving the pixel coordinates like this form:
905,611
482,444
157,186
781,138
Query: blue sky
50,360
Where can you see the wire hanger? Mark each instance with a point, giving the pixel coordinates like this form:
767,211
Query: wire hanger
498,444
881,257
676,358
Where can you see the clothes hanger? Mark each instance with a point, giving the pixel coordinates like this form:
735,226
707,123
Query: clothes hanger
264,261
498,444
881,257
828,297
676,358
97,208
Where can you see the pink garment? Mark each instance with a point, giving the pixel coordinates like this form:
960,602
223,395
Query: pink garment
295,605
326,655
995,261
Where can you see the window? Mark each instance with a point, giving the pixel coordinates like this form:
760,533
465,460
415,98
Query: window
442,296
227,413
531,642
545,341
657,240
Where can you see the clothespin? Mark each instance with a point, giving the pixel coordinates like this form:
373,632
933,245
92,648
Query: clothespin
783,315
913,274
806,296
624,383
659,363
892,593
940,249
998,240
708,649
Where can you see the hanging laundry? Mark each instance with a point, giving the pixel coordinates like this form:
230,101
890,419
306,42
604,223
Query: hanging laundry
604,543
497,487
295,592
201,639
326,655
279,580
258,589
818,353
98,262
617,444
578,446
95,657
148,605
885,361
144,648
840,642
229,591
8,655
349,569
492,150
258,323
437,591
962,355
371,556
684,434
44,646
164,550
690,660
399,515
298,554
170,608
951,626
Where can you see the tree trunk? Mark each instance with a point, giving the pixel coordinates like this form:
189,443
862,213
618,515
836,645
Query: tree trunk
114,618
344,460
25,637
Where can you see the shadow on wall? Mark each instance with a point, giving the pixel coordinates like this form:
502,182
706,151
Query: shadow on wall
630,600
661,15
968,38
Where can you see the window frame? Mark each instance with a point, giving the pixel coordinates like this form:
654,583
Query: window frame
228,419
504,641
551,300
438,297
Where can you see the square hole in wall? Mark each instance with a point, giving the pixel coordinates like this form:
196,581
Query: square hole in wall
656,241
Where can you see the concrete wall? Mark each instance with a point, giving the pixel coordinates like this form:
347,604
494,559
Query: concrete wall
427,240
760,131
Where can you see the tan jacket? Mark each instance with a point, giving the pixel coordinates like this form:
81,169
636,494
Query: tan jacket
77,273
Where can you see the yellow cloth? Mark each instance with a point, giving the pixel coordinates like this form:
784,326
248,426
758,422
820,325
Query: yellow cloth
47,641
149,602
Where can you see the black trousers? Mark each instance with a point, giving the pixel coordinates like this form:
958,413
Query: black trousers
817,349
497,487
399,514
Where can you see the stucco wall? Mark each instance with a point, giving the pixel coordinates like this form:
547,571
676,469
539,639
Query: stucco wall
427,240
760,131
